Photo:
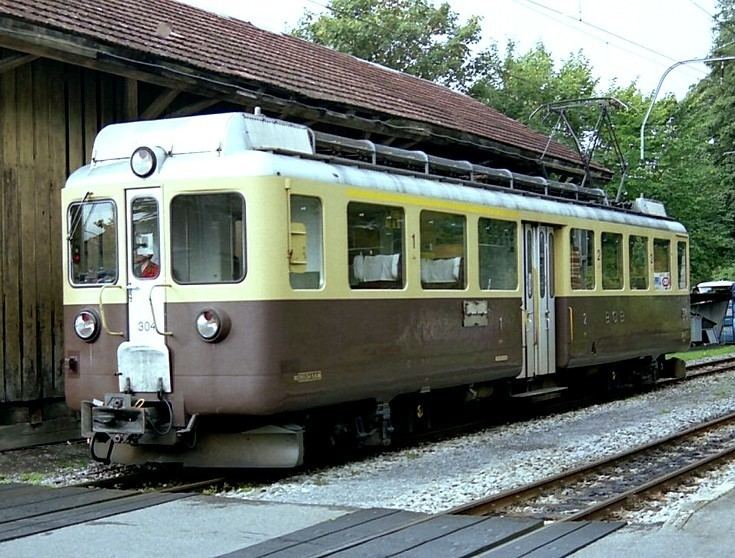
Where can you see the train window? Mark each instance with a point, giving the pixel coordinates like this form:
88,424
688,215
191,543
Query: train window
442,250
661,264
612,260
375,246
638,262
582,259
92,242
306,263
681,256
498,254
146,255
208,238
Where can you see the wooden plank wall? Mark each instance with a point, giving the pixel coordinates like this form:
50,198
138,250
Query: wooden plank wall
49,116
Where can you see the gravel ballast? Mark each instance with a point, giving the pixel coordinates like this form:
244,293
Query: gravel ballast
435,477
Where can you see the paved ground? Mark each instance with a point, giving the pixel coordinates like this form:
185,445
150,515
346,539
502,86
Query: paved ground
190,528
706,531
203,526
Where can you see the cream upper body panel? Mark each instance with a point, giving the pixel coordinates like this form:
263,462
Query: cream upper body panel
222,158
206,170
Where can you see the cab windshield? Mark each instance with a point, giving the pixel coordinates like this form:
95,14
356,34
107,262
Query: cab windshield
92,242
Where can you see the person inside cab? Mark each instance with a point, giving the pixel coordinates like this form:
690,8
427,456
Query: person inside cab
145,267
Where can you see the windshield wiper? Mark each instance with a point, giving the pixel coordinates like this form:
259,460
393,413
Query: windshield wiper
78,220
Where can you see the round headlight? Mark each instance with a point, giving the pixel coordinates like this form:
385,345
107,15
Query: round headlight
143,162
86,325
212,325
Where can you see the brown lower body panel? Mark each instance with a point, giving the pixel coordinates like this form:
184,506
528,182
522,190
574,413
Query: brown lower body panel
292,355
597,330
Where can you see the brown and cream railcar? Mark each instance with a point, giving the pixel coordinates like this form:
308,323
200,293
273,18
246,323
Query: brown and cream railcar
224,283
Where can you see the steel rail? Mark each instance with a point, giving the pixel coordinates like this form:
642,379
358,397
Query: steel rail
137,481
605,506
196,485
483,506
712,366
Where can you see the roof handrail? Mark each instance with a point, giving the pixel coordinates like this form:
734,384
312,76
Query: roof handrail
396,157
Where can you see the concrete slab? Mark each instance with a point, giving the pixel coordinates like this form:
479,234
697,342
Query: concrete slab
706,531
199,526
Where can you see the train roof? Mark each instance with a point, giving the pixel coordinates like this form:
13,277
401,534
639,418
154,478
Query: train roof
275,147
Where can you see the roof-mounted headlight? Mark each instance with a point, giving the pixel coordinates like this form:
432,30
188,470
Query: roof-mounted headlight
143,162
87,325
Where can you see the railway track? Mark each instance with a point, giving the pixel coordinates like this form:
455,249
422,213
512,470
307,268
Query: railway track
595,490
711,367
162,482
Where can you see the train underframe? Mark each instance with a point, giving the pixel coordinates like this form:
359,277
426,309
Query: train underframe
140,429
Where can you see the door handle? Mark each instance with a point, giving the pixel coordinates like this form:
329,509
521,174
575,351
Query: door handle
103,318
153,312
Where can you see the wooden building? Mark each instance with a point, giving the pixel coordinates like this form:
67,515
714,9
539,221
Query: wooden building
69,67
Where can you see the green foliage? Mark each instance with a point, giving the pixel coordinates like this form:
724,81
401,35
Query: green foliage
678,170
516,85
411,36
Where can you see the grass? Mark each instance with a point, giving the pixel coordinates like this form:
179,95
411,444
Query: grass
694,354
32,478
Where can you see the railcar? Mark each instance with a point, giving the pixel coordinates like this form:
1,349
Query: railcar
233,281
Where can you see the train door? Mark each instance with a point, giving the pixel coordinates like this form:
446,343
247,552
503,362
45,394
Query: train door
538,302
143,360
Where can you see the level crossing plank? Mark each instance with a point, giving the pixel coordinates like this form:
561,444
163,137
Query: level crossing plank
57,520
544,540
413,535
330,536
575,540
28,505
7,488
530,542
488,533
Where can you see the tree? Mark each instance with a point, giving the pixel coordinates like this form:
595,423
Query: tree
518,84
719,90
411,36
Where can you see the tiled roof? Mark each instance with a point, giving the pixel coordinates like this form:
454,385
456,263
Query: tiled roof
239,50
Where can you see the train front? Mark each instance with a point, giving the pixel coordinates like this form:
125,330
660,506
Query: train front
154,264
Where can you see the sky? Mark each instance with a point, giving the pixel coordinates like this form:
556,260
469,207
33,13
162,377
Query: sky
624,40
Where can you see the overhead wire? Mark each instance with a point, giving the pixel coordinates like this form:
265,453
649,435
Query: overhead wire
703,10
531,4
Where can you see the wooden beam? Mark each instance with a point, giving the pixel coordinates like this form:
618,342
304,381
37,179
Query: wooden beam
130,101
160,104
194,108
12,62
